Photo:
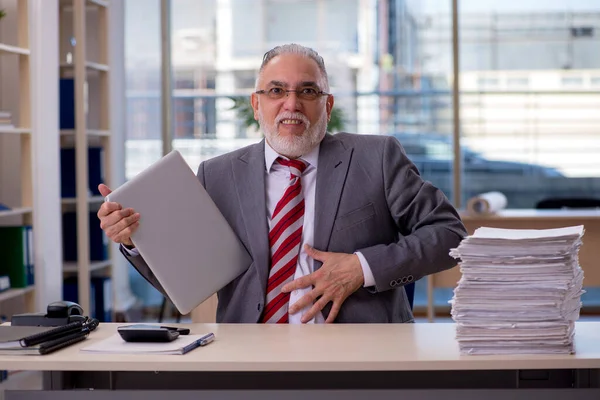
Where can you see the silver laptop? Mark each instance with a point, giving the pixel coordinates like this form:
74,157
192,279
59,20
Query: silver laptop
185,240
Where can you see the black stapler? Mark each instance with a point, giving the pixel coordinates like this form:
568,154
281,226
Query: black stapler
57,314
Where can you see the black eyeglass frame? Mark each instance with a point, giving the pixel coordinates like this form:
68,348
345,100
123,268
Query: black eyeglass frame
288,91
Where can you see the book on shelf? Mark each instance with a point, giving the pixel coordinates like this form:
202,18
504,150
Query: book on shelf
98,241
67,103
16,247
4,207
68,167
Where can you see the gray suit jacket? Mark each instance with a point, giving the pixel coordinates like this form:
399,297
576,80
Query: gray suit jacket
369,198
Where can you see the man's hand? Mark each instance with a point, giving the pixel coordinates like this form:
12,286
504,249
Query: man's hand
339,277
118,224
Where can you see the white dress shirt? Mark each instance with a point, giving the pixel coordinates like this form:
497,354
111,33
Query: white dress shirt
277,177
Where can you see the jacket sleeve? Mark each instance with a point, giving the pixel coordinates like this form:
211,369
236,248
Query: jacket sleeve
140,265
431,225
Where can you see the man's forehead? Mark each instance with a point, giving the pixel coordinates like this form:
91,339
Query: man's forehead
291,69
286,84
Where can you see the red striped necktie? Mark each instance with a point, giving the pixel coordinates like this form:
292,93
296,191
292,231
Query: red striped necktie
285,236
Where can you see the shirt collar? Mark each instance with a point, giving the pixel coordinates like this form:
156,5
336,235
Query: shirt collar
312,157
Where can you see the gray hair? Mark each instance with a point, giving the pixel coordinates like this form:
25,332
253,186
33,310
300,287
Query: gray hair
294,48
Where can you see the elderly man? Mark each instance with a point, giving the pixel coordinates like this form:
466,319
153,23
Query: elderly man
336,224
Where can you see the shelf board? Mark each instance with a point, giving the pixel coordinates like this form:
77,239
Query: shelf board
12,293
68,4
16,211
8,49
101,3
94,266
89,65
97,66
90,132
13,130
91,200
98,132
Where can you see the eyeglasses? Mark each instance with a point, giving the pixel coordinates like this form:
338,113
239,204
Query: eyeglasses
308,94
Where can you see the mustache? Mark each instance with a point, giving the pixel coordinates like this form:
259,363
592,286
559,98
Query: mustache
291,115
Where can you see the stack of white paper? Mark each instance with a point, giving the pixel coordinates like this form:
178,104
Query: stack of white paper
520,291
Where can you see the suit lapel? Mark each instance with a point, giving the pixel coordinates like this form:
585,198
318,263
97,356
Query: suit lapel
334,160
249,175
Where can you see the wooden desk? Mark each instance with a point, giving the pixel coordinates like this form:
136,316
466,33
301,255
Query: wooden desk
589,253
394,357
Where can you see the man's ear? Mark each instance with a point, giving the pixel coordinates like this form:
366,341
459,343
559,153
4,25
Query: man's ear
254,103
329,106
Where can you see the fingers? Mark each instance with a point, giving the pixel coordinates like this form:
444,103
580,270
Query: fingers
113,217
299,283
315,254
118,223
104,190
305,301
316,308
121,227
335,309
107,208
125,235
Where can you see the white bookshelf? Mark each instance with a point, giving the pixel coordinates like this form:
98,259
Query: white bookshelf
85,23
16,159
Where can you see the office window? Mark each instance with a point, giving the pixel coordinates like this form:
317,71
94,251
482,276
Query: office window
536,136
529,78
142,59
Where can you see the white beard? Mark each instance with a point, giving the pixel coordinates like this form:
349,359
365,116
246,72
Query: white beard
294,146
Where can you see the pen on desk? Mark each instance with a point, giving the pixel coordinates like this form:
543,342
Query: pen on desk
206,339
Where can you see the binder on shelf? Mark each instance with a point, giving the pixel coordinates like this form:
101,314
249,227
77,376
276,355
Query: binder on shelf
98,241
17,250
30,262
68,173
102,298
67,103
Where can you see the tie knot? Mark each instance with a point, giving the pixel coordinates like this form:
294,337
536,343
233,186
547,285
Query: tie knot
296,166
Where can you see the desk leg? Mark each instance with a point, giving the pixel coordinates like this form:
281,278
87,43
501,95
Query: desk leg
53,380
